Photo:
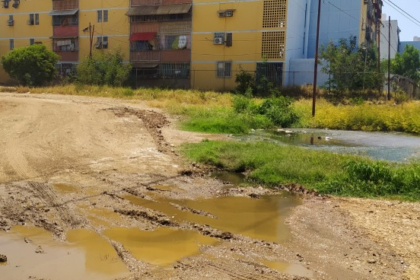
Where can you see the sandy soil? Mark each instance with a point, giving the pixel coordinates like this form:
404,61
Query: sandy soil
101,150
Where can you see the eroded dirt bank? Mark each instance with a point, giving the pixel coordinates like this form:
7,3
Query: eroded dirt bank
93,167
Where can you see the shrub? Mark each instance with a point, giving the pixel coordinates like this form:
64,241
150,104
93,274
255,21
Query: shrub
279,111
31,66
104,69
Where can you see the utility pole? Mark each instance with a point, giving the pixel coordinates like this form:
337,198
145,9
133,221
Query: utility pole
91,33
316,59
389,58
378,30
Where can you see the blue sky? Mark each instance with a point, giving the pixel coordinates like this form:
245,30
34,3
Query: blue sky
408,28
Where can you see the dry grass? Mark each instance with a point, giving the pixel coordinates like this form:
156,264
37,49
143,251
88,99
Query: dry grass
173,100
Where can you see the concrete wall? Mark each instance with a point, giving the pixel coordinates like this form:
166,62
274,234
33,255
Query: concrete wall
302,73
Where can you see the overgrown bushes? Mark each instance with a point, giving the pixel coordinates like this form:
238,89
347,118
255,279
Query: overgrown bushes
329,173
103,69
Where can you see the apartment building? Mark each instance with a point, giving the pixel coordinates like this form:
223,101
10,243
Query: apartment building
63,26
160,42
198,44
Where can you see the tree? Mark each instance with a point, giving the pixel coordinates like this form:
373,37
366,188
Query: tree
350,67
31,66
407,64
104,69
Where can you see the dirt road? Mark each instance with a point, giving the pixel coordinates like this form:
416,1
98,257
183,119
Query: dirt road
104,175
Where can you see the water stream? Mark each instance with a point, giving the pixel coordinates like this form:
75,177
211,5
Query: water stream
393,146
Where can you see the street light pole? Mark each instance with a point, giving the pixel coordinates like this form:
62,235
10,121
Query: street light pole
316,59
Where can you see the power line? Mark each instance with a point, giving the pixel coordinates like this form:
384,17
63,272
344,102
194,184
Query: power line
404,13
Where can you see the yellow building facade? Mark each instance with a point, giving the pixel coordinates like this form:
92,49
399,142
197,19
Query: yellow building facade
230,36
63,26
23,23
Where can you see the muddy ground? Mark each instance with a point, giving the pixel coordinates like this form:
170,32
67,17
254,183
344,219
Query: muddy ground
71,163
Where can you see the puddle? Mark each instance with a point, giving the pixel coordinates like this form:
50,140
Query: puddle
233,178
377,145
257,218
162,246
64,188
87,257
290,268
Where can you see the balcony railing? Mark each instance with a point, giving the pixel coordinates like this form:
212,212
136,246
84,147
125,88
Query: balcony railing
65,4
144,56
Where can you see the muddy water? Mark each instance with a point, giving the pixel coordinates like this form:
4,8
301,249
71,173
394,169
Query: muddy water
85,256
162,246
257,218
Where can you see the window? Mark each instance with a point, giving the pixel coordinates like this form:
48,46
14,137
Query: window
273,45
65,45
31,41
11,44
174,70
272,71
105,17
102,15
141,46
274,13
224,69
65,20
10,22
101,42
36,19
31,20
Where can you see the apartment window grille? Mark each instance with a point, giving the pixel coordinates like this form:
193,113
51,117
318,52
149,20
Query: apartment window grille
224,69
272,71
31,41
273,45
31,20
65,20
101,42
274,13
141,46
174,70
10,22
65,45
36,19
102,15
11,44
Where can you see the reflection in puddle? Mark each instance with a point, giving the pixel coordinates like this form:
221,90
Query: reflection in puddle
257,218
290,268
90,257
162,246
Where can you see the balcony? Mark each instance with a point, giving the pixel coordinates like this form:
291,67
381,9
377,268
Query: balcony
175,55
145,56
59,5
68,55
66,31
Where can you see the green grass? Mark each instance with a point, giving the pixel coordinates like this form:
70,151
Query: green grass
328,173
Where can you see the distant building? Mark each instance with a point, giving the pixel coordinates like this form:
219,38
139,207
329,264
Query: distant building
394,41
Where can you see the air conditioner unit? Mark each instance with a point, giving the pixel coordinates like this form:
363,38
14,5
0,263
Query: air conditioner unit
10,22
218,41
31,22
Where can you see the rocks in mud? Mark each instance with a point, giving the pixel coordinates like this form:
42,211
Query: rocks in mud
298,189
194,211
3,258
157,218
208,231
39,250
